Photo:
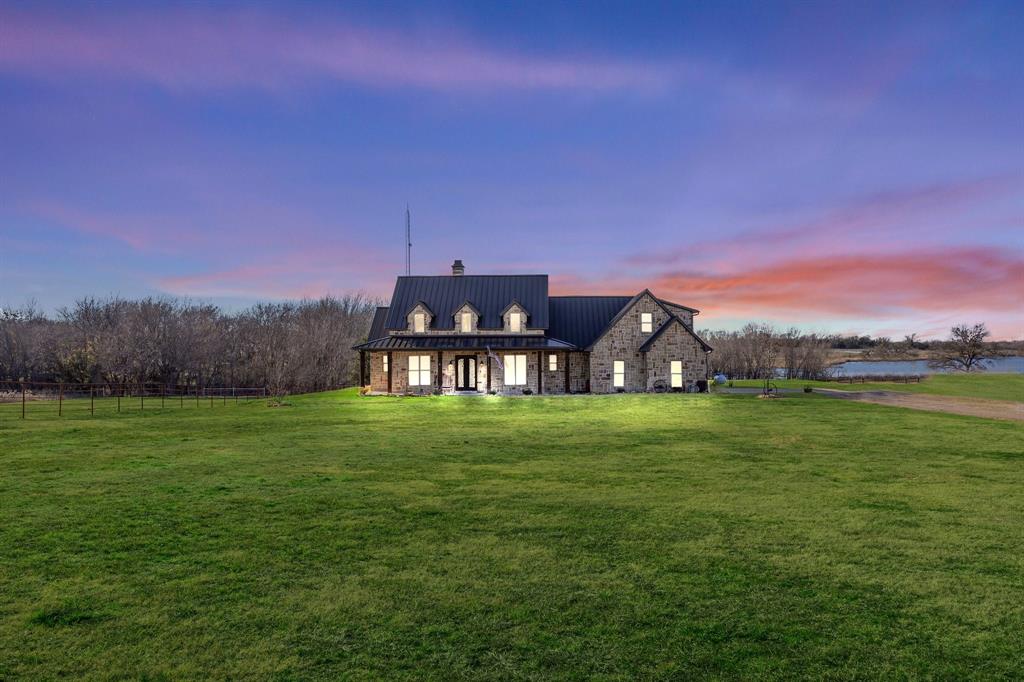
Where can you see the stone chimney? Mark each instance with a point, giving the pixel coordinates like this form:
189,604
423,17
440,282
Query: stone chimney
458,269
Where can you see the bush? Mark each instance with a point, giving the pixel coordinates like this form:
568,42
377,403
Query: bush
807,389
527,391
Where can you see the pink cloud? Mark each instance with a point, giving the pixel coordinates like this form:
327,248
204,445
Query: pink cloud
210,49
898,287
897,216
305,273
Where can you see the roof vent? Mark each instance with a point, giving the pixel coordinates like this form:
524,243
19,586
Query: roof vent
458,269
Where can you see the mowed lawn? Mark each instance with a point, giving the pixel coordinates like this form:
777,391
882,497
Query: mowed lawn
598,537
979,385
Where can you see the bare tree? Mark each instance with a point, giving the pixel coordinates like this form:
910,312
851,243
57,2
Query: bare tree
965,351
288,347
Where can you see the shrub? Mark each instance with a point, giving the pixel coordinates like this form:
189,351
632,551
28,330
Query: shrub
807,389
527,391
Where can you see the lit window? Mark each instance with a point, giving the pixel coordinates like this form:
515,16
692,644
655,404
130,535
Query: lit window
677,373
467,322
515,322
419,323
646,323
385,364
553,363
419,370
515,370
619,374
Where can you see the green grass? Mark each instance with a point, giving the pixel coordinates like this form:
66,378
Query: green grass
980,385
615,537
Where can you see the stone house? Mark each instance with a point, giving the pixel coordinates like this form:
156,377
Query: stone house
463,333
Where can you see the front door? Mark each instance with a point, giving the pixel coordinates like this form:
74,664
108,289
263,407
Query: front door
465,373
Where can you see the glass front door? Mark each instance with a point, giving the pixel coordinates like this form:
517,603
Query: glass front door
465,373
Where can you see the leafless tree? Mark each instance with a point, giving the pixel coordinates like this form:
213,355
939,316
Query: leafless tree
286,346
965,351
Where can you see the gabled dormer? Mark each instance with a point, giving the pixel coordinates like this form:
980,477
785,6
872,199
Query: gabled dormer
514,318
467,319
419,318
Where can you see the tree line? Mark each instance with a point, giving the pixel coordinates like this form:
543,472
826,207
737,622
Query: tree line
286,347
759,351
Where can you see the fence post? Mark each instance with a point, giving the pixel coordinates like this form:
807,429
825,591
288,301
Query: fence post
197,394
60,400
181,398
163,392
23,400
142,397
92,400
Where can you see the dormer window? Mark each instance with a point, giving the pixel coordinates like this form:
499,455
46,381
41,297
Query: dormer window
419,323
646,323
466,323
514,317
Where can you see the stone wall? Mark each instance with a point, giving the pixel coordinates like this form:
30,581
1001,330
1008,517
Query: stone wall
621,343
498,374
400,372
675,343
683,314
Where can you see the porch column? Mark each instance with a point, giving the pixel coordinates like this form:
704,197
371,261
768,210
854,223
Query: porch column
389,371
567,372
540,372
440,368
488,372
362,368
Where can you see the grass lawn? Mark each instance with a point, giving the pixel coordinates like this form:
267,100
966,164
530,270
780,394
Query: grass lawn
981,385
614,537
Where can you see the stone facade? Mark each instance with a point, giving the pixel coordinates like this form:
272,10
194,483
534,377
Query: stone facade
675,343
623,337
622,342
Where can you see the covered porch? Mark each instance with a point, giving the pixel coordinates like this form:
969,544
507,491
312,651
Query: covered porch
418,365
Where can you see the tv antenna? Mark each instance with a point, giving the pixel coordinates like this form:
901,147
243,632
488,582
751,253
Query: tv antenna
408,242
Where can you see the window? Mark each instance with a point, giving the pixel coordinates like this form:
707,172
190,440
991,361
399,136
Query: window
467,322
552,363
619,374
419,370
676,371
646,323
385,363
515,370
419,323
515,322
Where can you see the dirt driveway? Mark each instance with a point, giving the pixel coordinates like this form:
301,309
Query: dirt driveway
973,407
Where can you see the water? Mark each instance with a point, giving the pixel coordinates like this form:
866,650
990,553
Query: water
1014,364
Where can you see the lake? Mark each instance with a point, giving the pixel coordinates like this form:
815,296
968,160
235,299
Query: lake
1013,364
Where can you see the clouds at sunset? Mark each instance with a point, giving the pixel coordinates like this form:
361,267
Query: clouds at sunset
838,166
207,50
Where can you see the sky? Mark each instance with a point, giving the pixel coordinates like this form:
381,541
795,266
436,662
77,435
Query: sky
840,167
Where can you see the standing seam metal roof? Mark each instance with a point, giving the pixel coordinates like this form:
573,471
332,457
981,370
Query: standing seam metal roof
579,320
489,294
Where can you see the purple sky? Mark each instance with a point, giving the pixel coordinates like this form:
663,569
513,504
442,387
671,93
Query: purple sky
837,166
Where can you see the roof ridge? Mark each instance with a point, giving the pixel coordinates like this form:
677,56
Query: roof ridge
528,274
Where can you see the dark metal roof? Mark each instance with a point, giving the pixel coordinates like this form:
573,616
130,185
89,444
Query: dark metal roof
377,325
579,320
680,305
489,294
464,342
649,343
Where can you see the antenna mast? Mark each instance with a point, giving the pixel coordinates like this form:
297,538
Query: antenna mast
408,242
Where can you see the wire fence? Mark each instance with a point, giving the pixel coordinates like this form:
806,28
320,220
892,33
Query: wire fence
58,399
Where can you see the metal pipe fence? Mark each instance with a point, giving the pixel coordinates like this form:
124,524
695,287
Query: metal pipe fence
46,397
